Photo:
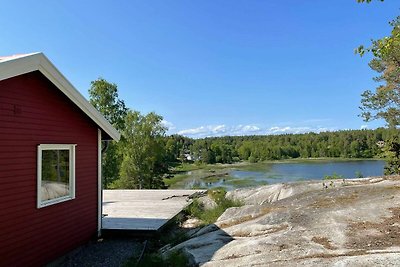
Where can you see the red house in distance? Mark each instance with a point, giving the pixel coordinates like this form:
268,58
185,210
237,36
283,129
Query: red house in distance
50,163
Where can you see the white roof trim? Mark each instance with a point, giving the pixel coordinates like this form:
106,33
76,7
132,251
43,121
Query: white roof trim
21,64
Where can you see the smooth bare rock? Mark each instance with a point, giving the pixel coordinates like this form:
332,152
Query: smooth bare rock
201,248
207,202
207,229
269,193
350,223
191,223
236,215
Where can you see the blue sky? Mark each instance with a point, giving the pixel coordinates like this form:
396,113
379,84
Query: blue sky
212,67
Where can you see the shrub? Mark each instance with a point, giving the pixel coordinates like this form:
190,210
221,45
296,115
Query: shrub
235,159
333,176
391,151
209,216
252,159
359,174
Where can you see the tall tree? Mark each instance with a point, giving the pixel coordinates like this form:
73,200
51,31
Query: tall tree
104,97
143,164
384,102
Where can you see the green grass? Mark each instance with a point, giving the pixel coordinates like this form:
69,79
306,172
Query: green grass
172,234
185,167
174,259
209,216
170,182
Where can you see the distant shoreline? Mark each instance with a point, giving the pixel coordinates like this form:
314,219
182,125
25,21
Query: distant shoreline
210,174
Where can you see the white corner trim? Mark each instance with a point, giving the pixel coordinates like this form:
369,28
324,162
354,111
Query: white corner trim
19,65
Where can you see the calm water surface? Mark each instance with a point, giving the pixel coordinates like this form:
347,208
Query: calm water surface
270,173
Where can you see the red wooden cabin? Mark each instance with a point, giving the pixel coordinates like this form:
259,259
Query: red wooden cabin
50,163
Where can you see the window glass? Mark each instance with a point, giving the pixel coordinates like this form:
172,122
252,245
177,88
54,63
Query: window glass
55,174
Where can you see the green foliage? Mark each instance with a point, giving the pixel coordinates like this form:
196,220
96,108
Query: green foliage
104,97
174,259
111,163
195,209
209,216
391,150
252,159
359,174
177,148
143,163
340,144
384,103
217,194
333,176
211,150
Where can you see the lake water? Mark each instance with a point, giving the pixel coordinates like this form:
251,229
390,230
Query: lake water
270,173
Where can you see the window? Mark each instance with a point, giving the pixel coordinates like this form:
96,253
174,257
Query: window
55,174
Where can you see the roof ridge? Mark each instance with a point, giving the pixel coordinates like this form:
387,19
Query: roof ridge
17,56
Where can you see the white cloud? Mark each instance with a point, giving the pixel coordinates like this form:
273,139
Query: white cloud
220,130
297,130
249,129
193,131
205,131
168,124
245,130
363,127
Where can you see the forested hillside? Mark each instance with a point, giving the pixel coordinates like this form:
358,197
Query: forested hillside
340,144
145,153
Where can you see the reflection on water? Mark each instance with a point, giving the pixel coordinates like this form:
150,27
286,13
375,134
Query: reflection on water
270,173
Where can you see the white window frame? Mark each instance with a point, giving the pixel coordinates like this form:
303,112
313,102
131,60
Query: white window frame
71,149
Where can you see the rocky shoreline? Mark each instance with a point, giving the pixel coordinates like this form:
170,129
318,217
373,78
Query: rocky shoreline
352,222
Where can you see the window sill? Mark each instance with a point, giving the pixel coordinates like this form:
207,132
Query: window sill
54,201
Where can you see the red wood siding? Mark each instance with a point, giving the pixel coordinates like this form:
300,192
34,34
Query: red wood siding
32,112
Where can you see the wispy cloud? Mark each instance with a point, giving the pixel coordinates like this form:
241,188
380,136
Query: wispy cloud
204,131
297,130
168,124
250,129
363,127
246,130
220,130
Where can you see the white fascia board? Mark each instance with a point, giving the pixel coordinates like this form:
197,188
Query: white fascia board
15,66
38,61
